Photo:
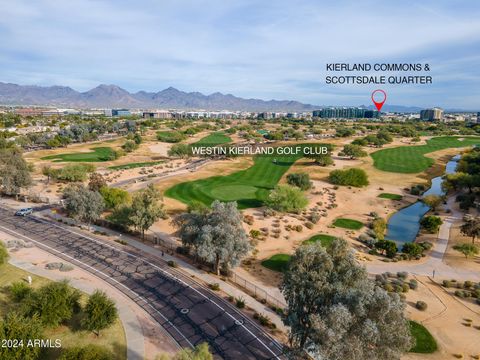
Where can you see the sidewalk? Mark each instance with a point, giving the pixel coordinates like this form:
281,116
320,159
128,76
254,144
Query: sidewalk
190,270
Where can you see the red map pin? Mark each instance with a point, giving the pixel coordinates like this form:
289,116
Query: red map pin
379,93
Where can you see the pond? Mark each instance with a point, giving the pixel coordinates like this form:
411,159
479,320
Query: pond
403,226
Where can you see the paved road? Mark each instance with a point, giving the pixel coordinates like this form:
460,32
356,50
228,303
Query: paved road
190,313
144,180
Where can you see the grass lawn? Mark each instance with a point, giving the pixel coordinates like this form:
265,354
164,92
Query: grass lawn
248,187
70,334
213,139
277,262
348,224
97,155
390,196
135,165
324,239
425,343
412,159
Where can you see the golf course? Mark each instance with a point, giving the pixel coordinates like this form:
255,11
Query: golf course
98,154
412,159
213,139
248,187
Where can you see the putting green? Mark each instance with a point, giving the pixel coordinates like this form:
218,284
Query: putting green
232,192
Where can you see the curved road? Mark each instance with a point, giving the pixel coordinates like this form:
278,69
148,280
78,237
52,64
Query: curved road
190,313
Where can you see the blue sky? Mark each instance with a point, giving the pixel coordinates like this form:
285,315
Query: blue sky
263,49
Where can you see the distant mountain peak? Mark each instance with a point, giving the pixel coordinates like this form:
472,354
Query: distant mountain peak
111,95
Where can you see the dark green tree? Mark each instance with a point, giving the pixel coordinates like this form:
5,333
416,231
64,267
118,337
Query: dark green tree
336,312
100,312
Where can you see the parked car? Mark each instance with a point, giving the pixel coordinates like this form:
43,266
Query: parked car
24,212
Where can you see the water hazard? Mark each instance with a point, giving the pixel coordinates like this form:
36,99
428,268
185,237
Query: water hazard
403,226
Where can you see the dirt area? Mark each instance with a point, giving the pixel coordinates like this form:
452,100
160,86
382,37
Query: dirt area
446,318
156,341
456,259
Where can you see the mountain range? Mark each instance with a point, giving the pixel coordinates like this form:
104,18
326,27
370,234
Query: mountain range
108,96
114,96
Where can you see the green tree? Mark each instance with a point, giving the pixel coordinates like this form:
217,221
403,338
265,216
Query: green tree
387,247
146,208
114,197
353,151
83,204
74,172
96,181
412,249
217,236
16,326
300,180
3,253
180,150
431,223
54,303
287,198
320,157
432,201
100,312
379,226
14,171
200,352
350,177
137,138
467,249
129,146
336,312
471,227
88,352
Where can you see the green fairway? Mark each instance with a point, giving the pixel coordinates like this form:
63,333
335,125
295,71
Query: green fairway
348,224
424,341
277,262
390,196
213,139
411,159
248,187
135,165
324,239
97,155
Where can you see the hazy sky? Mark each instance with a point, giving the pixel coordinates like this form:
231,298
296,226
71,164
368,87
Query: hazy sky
264,48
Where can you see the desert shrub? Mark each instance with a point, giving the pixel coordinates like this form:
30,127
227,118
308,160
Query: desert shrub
300,180
240,302
446,283
214,286
413,284
350,177
315,217
402,275
421,305
426,245
309,225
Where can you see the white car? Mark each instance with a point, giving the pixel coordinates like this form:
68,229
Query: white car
24,212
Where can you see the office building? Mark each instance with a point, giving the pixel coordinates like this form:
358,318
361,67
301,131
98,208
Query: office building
345,113
435,114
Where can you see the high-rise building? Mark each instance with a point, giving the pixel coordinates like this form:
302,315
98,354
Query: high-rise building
435,114
346,113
